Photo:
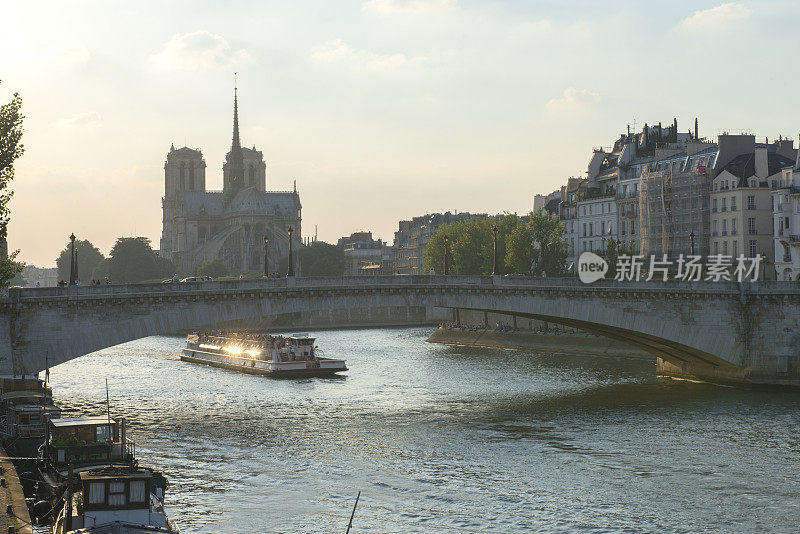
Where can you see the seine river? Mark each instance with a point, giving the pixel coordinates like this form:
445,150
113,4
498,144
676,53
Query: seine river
442,439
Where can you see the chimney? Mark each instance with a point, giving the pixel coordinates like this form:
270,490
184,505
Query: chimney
762,163
695,129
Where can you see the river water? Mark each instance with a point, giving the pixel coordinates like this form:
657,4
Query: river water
442,439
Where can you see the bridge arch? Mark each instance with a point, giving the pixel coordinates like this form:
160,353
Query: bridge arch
702,328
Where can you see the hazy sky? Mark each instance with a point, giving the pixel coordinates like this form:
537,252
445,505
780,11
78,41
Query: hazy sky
380,109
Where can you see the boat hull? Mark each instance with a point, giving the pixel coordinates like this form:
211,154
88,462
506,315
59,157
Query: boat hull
327,367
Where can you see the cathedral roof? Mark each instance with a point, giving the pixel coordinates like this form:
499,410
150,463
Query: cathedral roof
246,201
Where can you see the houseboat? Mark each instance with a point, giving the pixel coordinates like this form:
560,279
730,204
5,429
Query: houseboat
26,407
116,499
263,354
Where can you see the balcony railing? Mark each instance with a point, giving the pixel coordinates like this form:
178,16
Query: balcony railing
752,231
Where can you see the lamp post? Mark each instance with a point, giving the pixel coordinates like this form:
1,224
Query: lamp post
72,262
290,271
266,258
446,265
691,238
496,267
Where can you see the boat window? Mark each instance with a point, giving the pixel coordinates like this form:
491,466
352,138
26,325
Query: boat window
97,493
103,433
116,494
137,491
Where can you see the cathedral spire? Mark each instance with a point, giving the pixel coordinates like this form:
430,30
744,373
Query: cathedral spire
234,174
235,144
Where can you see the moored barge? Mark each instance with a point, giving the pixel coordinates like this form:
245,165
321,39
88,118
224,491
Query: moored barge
262,354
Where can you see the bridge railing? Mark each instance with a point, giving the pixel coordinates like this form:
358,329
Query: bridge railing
177,288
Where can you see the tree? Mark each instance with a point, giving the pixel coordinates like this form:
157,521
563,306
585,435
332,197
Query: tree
321,259
214,268
520,251
89,256
10,150
133,260
471,245
610,256
549,246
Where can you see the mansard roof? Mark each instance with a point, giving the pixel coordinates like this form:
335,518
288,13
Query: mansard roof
744,166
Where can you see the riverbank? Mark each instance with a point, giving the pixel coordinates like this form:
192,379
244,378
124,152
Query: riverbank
566,342
12,494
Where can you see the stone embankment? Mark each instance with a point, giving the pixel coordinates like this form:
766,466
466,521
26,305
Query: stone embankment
566,342
15,518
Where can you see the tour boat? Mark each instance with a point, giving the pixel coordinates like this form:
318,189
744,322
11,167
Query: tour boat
263,354
116,499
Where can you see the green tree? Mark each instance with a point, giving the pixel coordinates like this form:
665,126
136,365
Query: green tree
471,245
321,259
611,254
10,149
133,260
101,270
214,268
520,251
88,258
549,246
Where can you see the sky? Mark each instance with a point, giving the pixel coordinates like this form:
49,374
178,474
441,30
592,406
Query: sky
381,110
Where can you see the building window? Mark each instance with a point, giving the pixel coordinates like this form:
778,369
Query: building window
715,227
724,226
584,229
716,247
733,203
714,205
735,249
751,226
633,227
753,250
751,202
191,178
724,204
183,177
733,226
725,247
602,228
591,228
252,177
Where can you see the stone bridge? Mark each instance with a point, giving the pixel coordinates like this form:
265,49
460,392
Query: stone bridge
719,331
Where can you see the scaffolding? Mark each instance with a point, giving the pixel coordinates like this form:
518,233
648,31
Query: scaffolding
674,211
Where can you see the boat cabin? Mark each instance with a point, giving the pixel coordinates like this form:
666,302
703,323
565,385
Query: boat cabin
301,347
83,441
115,497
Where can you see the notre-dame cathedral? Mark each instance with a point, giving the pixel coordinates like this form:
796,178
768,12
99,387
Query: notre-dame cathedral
231,224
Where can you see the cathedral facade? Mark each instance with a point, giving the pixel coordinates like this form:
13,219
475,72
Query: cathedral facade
229,225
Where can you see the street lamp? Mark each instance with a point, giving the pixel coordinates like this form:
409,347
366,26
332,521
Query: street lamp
496,267
446,265
290,271
73,267
266,258
691,238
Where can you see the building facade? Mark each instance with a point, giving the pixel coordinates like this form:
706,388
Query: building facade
786,223
230,225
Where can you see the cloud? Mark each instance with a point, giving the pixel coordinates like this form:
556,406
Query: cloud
198,50
409,6
720,19
573,99
66,54
90,119
337,51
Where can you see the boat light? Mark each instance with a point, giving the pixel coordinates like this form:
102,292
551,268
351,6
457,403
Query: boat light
233,350
213,347
252,352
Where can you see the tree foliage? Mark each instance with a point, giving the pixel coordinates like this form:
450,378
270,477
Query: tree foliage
549,246
133,260
89,256
11,148
321,259
523,247
214,268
